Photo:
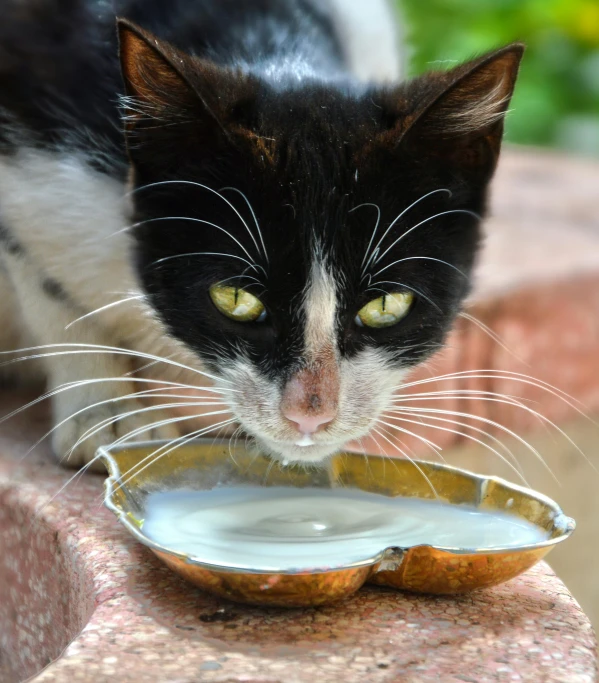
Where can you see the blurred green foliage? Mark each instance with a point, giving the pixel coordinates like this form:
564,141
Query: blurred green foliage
557,97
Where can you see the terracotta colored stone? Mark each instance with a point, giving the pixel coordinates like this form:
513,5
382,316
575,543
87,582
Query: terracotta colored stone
45,600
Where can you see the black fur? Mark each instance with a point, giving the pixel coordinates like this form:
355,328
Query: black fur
60,79
54,290
306,145
10,243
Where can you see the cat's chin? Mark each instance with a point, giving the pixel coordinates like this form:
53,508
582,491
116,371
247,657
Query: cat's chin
288,453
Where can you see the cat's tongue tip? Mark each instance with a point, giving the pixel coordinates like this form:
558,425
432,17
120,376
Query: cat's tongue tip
305,441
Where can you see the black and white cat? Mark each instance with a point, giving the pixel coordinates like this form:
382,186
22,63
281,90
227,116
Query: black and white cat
247,192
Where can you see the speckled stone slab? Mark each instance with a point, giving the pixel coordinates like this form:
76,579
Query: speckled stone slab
72,578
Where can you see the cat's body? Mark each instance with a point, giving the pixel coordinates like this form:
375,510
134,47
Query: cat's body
266,158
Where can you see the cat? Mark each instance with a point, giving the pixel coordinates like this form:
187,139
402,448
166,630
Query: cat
238,195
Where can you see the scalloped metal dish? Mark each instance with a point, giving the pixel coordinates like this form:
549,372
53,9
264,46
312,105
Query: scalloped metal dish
204,463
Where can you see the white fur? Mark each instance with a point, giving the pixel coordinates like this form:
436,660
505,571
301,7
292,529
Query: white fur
14,333
72,221
369,33
367,382
481,112
69,219
320,310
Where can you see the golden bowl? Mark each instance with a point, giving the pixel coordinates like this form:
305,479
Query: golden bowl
201,464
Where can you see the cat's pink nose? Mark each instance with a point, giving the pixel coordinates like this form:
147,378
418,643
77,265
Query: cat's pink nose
310,398
309,424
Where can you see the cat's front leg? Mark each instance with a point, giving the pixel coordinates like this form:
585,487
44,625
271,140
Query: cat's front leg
101,413
94,398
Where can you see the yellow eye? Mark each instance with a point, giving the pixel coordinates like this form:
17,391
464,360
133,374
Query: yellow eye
237,304
385,311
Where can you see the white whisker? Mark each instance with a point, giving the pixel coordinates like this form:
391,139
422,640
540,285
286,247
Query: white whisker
420,258
400,284
112,419
101,349
238,277
139,430
141,368
83,469
376,226
198,220
431,444
204,187
160,452
75,385
457,393
234,436
151,393
247,201
136,297
497,425
506,375
515,466
416,465
268,471
426,220
208,253
493,335
376,250
381,452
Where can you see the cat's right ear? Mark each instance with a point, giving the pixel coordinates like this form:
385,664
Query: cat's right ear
154,76
172,97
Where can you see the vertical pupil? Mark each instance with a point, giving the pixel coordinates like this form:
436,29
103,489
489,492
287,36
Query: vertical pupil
384,301
236,295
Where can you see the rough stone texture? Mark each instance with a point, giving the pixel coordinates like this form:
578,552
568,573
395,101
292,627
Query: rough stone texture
538,288
569,479
44,599
149,625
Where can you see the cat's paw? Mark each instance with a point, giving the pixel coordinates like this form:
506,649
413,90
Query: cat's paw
75,443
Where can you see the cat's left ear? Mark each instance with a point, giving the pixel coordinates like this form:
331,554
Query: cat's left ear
463,109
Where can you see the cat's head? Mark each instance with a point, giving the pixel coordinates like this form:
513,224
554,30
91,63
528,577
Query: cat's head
309,241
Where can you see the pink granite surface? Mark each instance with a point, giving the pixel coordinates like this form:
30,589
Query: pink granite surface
45,598
70,566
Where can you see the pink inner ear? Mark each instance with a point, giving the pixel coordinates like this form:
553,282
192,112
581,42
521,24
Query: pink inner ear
310,398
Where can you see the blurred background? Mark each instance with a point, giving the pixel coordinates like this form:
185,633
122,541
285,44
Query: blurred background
557,98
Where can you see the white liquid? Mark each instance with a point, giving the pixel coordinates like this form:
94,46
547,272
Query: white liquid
269,529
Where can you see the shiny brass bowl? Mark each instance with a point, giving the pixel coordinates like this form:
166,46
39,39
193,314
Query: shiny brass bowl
201,464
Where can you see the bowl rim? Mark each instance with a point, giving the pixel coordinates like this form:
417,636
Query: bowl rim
387,553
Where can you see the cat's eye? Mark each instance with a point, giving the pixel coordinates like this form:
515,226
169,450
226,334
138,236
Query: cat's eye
237,304
385,311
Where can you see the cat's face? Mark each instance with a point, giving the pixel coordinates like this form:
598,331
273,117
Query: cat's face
309,245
